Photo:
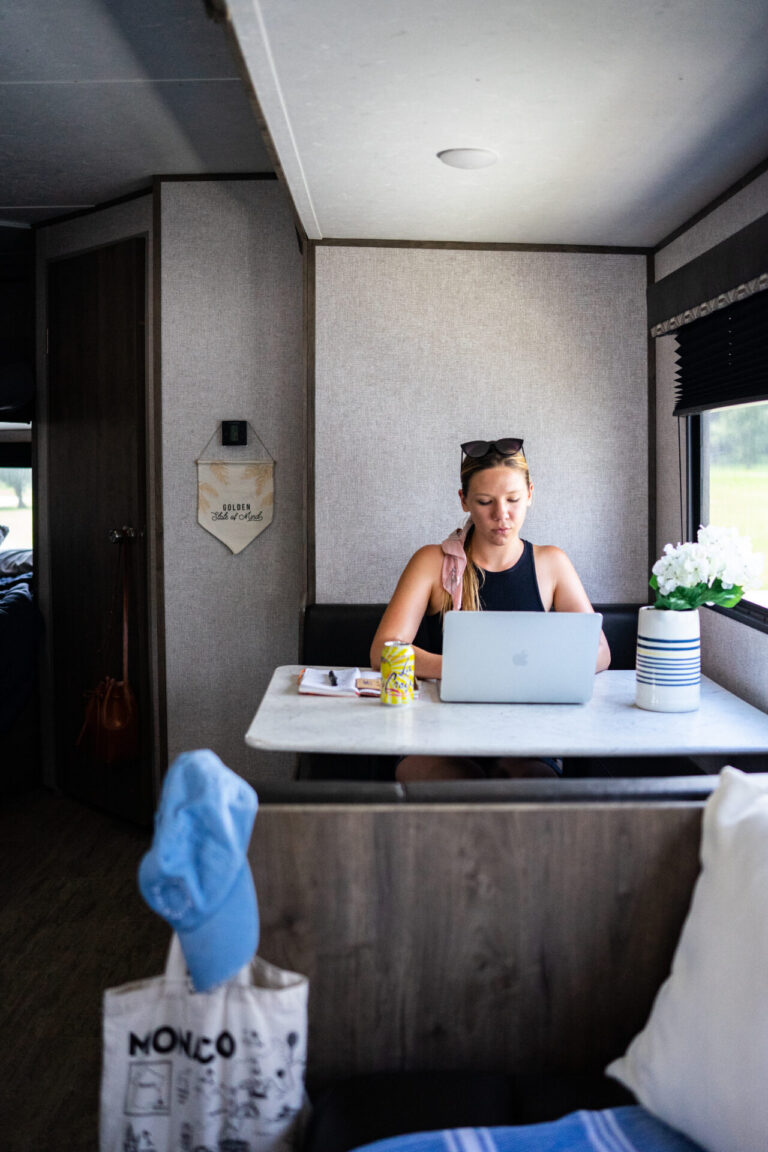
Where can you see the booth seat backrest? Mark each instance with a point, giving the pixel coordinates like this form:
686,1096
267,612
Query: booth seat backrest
342,633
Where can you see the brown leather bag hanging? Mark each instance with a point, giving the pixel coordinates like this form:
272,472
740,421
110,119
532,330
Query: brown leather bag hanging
110,731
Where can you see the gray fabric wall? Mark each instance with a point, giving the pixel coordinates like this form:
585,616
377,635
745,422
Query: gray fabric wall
231,316
420,349
733,654
417,349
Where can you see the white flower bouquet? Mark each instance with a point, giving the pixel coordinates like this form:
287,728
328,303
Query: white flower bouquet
714,570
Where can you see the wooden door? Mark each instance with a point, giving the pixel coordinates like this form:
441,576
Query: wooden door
97,484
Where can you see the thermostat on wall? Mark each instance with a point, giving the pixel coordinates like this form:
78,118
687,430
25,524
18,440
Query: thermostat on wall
234,433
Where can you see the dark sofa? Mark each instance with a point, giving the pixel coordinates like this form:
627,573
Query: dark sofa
361,1109
342,634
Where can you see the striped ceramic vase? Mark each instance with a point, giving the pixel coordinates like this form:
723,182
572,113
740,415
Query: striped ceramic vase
668,664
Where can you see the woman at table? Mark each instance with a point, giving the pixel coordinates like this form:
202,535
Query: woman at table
484,565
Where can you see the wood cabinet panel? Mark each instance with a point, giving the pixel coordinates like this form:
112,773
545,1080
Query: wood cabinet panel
97,482
505,937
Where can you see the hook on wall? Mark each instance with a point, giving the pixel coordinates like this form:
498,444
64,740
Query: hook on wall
124,533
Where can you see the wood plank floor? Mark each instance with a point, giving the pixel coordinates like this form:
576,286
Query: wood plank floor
72,923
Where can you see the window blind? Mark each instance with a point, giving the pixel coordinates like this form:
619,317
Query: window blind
722,358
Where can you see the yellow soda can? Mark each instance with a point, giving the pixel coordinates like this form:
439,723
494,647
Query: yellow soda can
397,672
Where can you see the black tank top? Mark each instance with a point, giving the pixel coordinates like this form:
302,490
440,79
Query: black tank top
513,590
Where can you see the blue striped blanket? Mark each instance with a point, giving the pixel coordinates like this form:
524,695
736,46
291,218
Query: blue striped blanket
626,1129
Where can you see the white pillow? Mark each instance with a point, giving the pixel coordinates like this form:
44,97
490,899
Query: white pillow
701,1061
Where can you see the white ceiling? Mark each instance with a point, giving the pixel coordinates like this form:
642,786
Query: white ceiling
614,121
97,96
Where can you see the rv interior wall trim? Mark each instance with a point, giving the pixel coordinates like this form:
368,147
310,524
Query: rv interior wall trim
741,292
745,206
710,209
250,32
737,260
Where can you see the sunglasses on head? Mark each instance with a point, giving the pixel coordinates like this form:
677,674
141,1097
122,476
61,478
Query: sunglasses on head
478,448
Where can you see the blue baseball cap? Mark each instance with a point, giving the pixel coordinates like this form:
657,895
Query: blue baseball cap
196,875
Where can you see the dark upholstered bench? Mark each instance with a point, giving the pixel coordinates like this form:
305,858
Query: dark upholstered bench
342,634
371,1107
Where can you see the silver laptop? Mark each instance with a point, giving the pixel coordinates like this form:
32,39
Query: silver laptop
520,657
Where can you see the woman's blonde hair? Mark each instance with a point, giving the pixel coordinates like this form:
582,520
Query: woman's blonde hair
473,576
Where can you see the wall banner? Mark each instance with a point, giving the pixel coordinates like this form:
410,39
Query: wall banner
235,491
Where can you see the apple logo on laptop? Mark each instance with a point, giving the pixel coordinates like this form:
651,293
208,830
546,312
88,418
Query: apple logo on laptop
520,659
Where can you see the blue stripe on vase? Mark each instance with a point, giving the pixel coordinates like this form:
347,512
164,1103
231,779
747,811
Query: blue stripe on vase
650,662
667,645
668,681
670,640
668,678
670,658
685,661
668,667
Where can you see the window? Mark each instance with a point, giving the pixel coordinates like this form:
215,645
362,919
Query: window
733,477
15,486
722,387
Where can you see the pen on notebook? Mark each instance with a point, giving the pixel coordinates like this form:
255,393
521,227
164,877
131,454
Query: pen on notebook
332,678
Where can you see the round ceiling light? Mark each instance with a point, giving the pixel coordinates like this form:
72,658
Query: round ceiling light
468,157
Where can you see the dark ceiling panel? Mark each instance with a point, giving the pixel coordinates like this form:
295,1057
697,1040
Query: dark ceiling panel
111,40
97,96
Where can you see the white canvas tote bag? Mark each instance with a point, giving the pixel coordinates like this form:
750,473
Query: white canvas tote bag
217,1071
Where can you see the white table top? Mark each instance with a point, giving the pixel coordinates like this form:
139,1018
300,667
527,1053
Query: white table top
609,725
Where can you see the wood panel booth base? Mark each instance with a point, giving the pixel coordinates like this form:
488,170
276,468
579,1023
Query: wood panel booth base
518,939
